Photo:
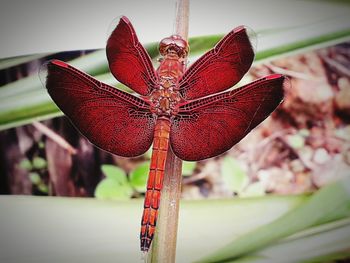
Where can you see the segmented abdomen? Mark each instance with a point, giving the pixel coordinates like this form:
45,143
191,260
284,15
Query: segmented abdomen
155,182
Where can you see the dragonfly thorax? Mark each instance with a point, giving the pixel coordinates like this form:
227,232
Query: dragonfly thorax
164,99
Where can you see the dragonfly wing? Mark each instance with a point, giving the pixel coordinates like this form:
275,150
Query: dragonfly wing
129,62
113,120
220,68
209,126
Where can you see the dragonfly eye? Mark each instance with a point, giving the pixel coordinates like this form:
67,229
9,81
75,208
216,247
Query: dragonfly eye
174,43
180,43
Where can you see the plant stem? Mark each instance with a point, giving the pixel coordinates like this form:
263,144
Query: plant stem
55,137
164,243
181,18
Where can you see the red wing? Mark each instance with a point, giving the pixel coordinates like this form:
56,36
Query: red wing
209,126
113,120
129,62
220,68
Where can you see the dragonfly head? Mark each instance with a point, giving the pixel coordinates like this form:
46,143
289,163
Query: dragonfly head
174,44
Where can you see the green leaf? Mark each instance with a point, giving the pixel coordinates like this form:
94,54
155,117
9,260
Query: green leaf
114,172
117,224
138,177
34,178
233,175
111,189
297,141
115,185
253,190
41,145
43,187
11,62
304,132
148,154
24,100
39,163
188,168
330,203
324,243
26,164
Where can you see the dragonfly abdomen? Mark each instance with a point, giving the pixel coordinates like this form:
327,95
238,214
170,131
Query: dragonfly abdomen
155,182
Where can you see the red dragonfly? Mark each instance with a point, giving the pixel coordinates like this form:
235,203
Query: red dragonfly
184,109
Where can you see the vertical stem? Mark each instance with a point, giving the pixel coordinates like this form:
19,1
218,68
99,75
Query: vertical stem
164,243
181,18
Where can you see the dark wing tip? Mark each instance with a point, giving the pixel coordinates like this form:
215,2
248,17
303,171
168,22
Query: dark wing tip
47,67
125,19
239,29
286,83
281,87
279,78
275,76
58,63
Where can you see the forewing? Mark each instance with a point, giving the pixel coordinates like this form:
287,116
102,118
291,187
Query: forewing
128,61
220,68
208,127
113,120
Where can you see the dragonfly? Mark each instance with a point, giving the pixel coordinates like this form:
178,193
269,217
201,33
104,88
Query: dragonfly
189,111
